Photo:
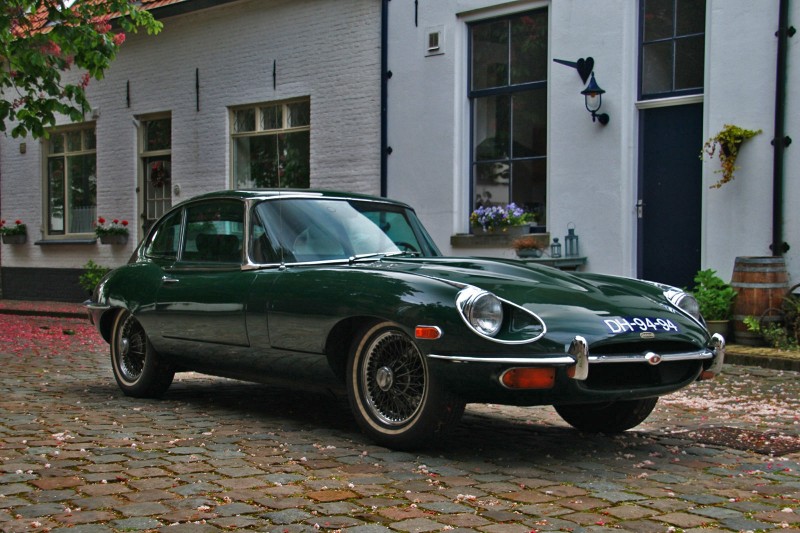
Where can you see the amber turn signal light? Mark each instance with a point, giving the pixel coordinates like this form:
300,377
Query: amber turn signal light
529,378
430,333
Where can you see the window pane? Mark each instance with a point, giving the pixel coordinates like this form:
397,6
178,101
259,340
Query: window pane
244,120
490,183
299,114
158,134
659,16
158,186
529,186
82,193
256,161
293,168
73,141
271,117
492,117
689,56
89,140
55,192
530,124
691,17
490,55
57,143
529,48
164,242
657,68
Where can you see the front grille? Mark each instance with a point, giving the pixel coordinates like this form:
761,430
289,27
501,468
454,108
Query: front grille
628,348
614,376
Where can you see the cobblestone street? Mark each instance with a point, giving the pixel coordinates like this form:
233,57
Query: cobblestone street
76,455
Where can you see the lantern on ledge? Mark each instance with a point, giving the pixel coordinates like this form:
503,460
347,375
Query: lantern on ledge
571,245
555,249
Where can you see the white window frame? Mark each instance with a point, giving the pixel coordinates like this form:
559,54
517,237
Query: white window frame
285,127
47,156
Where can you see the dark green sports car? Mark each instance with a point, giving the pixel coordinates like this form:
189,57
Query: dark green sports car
334,290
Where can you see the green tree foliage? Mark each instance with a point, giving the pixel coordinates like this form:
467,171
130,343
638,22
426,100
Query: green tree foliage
41,41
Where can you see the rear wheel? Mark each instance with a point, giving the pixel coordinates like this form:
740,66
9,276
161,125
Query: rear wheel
139,370
392,393
610,417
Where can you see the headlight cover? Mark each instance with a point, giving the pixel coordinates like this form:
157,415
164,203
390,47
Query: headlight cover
684,301
484,312
496,319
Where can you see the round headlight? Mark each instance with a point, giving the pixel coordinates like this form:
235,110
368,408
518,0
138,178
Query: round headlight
485,313
684,301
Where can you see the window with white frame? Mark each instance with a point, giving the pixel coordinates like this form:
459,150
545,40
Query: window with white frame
508,96
156,156
71,180
271,145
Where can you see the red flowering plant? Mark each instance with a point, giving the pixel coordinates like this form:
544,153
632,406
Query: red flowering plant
115,227
17,229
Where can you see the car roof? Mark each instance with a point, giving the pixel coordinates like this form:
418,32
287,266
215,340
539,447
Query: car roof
265,194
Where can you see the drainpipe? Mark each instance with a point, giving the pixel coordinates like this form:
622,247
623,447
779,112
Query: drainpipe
385,75
780,140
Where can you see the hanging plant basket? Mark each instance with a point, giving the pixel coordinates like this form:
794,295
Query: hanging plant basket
15,239
725,145
113,239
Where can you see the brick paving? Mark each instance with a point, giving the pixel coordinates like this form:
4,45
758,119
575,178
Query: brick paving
218,455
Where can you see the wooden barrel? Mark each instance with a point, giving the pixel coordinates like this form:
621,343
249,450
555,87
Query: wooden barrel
761,283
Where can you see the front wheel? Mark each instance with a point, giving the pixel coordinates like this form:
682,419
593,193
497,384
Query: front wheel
139,370
392,393
610,417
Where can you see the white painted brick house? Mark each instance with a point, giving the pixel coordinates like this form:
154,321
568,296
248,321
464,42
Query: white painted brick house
475,107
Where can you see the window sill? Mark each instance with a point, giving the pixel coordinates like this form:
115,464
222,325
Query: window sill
51,242
467,240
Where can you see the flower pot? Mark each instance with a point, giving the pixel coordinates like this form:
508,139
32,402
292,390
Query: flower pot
719,326
15,239
113,239
511,231
529,252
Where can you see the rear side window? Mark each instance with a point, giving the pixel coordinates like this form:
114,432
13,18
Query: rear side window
164,242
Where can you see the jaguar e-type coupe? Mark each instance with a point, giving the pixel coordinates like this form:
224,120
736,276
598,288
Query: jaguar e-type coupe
348,292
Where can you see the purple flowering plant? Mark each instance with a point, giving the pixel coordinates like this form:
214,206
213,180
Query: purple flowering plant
497,217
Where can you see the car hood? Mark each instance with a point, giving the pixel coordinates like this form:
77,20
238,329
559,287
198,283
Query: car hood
604,309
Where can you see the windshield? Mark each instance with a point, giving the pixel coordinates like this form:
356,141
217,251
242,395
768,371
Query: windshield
300,230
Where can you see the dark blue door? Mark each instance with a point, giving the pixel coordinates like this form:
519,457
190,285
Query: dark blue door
670,193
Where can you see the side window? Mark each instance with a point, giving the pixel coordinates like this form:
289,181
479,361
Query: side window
261,251
166,239
214,232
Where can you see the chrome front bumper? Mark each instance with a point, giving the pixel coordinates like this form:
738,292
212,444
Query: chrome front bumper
577,356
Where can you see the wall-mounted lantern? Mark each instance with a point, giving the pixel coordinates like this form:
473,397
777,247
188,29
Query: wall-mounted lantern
594,99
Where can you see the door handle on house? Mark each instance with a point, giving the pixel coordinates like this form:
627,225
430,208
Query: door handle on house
640,208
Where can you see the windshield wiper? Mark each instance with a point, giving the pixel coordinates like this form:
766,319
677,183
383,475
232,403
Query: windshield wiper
379,255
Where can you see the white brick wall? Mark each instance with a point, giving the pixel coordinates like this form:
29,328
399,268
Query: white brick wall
328,50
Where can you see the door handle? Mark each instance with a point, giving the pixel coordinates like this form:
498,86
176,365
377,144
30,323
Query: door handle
168,280
640,208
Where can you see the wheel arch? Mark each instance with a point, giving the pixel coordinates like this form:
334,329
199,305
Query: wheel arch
106,324
340,339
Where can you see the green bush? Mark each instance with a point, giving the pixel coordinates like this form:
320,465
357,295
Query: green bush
714,296
92,275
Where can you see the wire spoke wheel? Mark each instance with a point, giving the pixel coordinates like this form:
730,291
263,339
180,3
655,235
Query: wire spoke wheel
138,368
394,378
395,397
131,350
